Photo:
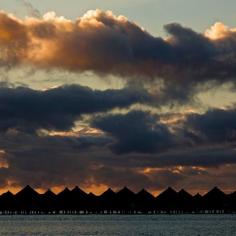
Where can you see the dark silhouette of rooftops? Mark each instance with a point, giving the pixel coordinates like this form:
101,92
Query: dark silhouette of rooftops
124,201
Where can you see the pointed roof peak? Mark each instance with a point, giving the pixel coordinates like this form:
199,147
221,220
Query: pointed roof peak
78,190
109,190
92,195
49,192
125,190
108,193
170,190
216,190
64,191
28,187
8,194
27,190
183,191
143,191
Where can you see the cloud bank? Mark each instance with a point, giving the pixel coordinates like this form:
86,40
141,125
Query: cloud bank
28,110
134,149
107,44
38,141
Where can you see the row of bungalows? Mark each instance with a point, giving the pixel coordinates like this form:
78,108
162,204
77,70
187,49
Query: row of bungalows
125,201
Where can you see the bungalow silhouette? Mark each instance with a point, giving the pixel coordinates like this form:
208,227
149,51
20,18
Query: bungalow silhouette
76,201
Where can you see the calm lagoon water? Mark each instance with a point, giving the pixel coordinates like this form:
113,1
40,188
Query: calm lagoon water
189,225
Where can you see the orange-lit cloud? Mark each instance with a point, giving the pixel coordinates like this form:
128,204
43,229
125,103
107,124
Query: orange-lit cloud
104,43
48,41
3,160
73,133
219,31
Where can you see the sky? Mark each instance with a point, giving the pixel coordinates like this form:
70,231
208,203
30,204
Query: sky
150,14
117,93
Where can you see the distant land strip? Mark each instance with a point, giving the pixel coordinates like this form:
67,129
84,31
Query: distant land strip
76,201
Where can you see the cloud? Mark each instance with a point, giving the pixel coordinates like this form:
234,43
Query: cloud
214,126
135,131
219,31
204,156
58,108
143,132
135,148
44,162
107,44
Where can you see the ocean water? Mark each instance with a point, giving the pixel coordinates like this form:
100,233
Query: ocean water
127,225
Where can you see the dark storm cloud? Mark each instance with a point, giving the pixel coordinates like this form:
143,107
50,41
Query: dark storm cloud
135,131
26,109
214,126
143,132
120,177
194,168
47,161
144,153
204,156
55,161
208,156
138,142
